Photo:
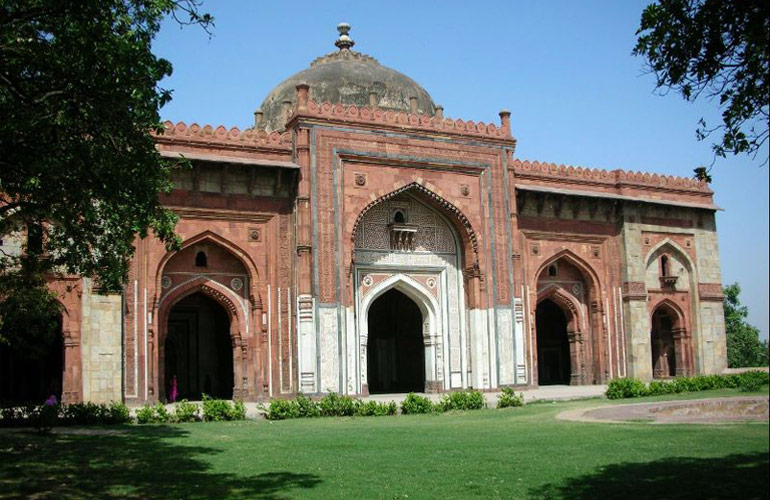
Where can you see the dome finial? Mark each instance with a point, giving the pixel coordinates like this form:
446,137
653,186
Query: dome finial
344,42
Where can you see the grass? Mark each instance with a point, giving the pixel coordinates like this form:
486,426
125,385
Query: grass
512,453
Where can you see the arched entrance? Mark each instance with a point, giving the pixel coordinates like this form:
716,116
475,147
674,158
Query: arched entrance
198,349
30,374
553,352
396,354
662,341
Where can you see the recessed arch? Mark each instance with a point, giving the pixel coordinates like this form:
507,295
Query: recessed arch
567,255
231,247
668,246
456,217
238,328
569,304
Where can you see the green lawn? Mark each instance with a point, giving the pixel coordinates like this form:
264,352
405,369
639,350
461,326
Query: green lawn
514,453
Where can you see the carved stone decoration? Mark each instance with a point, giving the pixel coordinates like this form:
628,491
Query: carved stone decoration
255,234
236,284
595,252
165,282
465,190
634,290
577,289
360,179
425,231
367,281
431,282
402,236
535,249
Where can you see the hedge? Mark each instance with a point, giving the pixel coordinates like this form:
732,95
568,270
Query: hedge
627,387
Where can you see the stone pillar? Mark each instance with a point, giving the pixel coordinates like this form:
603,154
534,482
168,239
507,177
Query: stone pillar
680,335
72,377
577,367
306,338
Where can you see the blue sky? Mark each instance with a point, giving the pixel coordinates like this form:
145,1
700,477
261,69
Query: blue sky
563,68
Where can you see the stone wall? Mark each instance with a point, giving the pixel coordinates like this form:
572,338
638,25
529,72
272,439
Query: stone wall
101,346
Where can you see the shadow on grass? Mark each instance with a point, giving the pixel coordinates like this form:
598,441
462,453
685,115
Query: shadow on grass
137,462
734,476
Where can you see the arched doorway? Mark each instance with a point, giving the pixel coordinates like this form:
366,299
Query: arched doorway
198,349
396,352
662,340
553,355
30,374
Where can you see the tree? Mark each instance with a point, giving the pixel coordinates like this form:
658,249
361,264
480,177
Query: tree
744,348
715,49
79,172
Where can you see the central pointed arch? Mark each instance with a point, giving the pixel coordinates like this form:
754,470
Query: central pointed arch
435,200
429,310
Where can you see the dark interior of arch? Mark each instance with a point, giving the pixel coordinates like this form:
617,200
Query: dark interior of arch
396,354
662,340
198,349
553,359
31,375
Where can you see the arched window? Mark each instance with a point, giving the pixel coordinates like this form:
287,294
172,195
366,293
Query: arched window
399,217
200,259
664,271
553,270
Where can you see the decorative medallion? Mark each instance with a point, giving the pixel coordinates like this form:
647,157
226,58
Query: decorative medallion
236,284
254,235
577,289
431,283
465,190
595,251
165,282
368,281
360,179
535,249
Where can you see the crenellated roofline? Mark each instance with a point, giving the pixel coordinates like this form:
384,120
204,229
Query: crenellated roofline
524,169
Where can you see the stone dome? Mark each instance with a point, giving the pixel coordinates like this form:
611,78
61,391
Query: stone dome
349,78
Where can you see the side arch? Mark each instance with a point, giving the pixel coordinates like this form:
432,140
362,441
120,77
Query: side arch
584,267
234,249
239,326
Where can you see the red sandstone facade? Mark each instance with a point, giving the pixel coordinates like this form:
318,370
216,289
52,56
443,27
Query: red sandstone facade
524,273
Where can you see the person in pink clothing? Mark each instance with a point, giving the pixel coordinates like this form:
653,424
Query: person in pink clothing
174,390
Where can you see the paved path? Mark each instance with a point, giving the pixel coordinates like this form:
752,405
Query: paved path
698,411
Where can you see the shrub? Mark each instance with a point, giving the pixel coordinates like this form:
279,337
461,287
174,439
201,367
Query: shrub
414,404
117,413
509,399
185,411
238,410
658,388
145,415
375,409
215,410
625,387
752,381
306,407
757,377
335,405
282,409
462,400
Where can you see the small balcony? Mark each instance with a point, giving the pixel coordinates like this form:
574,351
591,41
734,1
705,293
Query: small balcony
668,282
402,236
